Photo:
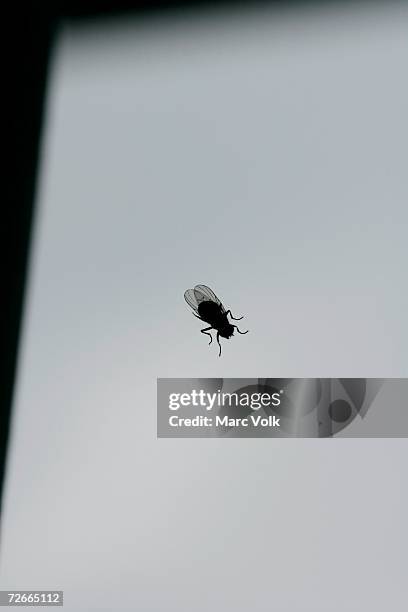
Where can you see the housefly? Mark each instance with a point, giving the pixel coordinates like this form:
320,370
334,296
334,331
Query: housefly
208,308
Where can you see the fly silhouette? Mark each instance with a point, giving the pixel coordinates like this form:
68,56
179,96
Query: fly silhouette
208,308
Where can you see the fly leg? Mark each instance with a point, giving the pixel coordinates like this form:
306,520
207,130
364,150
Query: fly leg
233,318
205,331
218,340
240,332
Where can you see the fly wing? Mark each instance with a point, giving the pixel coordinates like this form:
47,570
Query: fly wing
205,294
191,299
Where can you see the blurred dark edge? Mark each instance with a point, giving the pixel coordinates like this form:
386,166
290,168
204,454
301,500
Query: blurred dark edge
30,35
